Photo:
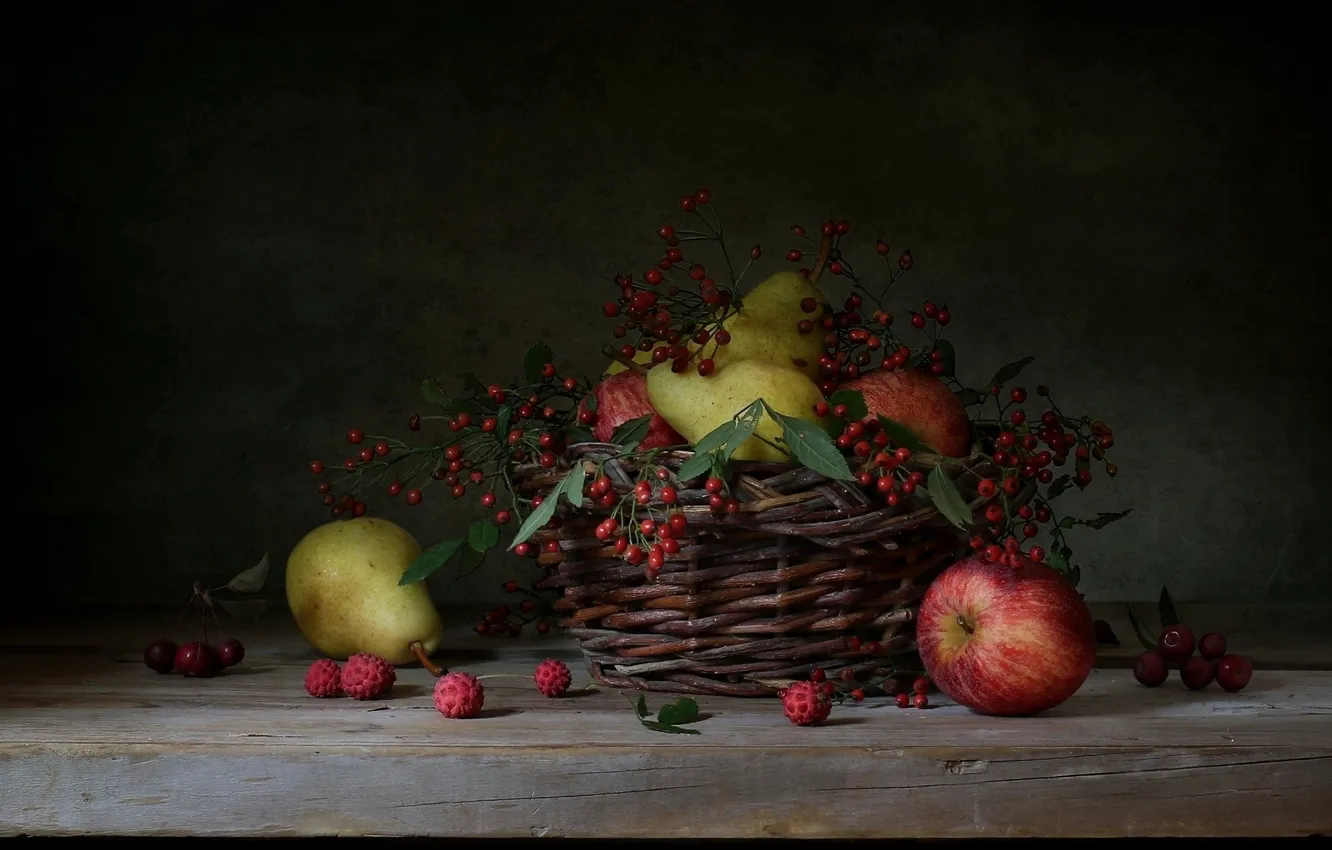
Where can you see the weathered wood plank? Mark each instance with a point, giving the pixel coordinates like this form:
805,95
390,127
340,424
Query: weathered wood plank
587,792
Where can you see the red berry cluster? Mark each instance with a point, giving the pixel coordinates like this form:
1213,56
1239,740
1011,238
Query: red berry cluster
195,659
1199,662
919,697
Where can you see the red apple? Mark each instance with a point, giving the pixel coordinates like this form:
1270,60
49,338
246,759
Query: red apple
1005,640
623,397
921,402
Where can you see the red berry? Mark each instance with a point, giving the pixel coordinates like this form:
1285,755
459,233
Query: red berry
1176,643
858,695
687,203
817,675
196,659
355,435
921,685
920,700
316,467
1150,668
382,448
230,653
903,700
1197,673
806,704
323,679
503,517
1233,672
986,488
793,255
160,655
414,496
706,366
459,695
552,677
1212,646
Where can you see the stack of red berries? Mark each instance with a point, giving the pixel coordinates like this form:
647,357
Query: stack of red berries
1200,662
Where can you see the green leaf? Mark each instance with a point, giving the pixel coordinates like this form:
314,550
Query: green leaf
717,437
1143,637
1068,522
1103,519
482,535
590,402
695,466
474,386
1166,606
629,434
811,446
943,492
429,561
745,422
537,356
573,485
683,710
1009,371
663,727
502,419
1074,575
968,397
901,435
434,394
541,515
641,707
1057,561
948,354
578,434
470,560
854,401
1058,486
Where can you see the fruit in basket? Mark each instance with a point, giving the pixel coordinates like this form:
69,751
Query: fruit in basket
767,327
622,398
342,589
922,403
694,404
1005,640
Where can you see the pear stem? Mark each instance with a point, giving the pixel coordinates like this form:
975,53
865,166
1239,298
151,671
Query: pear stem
615,354
825,251
420,653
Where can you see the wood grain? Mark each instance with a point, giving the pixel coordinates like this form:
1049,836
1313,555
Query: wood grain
93,742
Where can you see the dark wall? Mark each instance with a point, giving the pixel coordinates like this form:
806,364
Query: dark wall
248,227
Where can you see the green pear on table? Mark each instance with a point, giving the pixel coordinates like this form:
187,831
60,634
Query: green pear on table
694,404
767,325
342,589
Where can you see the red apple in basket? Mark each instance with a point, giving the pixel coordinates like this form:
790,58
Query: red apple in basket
1005,640
921,402
623,397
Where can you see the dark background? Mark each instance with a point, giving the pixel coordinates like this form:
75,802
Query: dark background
246,227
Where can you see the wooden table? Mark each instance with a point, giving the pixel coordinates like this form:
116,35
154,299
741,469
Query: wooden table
93,742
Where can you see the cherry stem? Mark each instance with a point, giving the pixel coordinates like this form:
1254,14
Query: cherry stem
825,251
966,627
615,354
419,651
505,676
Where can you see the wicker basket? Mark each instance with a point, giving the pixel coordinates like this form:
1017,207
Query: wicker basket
757,597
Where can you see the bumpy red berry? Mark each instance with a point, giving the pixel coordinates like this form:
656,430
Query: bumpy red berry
324,679
366,676
806,704
459,695
552,677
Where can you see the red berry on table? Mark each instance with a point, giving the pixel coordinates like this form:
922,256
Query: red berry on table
806,704
355,435
196,659
1150,668
1176,643
160,655
1233,672
1212,646
1197,673
230,653
858,695
323,679
903,700
921,685
414,496
459,695
920,700
552,677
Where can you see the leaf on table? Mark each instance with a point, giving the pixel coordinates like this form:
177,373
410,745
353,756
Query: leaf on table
1143,637
665,727
641,707
683,710
629,434
901,435
854,401
1166,607
943,492
1105,635
429,561
811,446
1009,371
536,357
251,580
482,535
243,609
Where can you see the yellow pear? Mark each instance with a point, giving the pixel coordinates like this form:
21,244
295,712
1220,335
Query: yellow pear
643,357
767,325
342,588
694,404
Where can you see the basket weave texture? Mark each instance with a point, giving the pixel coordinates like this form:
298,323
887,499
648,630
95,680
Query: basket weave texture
753,598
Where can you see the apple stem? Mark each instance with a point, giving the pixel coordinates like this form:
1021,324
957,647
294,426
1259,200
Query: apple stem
825,251
420,653
615,354
966,627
